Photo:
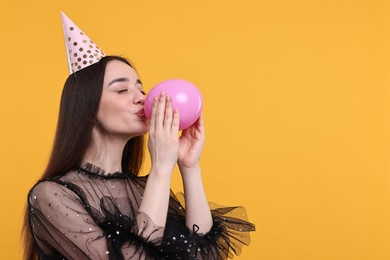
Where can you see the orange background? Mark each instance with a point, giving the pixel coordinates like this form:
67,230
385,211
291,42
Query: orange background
296,109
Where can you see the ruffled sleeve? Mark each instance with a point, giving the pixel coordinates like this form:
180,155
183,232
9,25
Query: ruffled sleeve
65,226
228,234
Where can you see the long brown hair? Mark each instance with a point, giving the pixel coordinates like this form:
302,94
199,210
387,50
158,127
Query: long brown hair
77,116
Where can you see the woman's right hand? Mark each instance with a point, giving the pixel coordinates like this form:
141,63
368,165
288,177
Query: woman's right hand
163,135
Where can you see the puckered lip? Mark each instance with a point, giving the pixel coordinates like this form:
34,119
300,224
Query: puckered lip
141,114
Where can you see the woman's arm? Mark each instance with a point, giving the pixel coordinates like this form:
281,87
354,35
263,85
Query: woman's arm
60,222
197,207
163,147
218,232
190,149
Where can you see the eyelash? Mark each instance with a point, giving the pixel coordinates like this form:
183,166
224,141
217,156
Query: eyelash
125,90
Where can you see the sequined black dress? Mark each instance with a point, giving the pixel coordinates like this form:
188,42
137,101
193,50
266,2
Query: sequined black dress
87,214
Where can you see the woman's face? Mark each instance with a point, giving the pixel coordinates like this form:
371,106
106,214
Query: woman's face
121,106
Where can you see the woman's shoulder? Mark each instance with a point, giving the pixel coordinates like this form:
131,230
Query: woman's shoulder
48,188
44,186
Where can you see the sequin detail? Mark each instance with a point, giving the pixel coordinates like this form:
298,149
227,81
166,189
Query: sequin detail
88,217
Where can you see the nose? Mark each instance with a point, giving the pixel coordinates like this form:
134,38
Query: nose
140,98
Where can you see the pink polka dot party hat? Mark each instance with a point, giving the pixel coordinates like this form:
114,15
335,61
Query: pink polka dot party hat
81,51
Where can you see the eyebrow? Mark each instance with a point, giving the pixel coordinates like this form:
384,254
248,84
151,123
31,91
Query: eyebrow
123,80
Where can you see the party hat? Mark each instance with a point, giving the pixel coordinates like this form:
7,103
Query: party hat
80,50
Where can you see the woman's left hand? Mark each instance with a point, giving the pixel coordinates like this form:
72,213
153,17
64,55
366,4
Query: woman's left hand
191,144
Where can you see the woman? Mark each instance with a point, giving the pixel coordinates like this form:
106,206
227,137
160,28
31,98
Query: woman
90,203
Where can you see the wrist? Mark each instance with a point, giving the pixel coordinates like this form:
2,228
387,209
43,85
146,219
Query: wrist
195,167
161,171
189,171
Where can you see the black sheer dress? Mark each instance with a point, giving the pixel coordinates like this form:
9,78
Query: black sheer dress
89,214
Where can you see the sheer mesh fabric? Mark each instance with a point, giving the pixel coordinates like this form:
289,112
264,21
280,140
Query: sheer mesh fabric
88,214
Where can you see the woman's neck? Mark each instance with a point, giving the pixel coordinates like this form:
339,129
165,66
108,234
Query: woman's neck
106,153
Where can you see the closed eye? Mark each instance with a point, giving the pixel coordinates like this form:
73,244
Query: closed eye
125,90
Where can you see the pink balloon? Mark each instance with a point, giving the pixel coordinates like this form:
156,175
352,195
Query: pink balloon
185,97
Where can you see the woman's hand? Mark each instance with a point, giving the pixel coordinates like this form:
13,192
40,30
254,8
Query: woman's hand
163,147
191,145
163,135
